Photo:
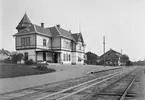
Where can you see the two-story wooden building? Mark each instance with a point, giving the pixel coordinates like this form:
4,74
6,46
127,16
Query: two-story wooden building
53,44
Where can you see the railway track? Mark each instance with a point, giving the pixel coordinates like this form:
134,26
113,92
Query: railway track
80,91
117,90
72,93
39,91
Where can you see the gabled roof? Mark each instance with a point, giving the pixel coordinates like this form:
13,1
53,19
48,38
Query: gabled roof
78,37
117,53
25,22
34,29
65,33
4,52
54,31
26,27
40,29
57,31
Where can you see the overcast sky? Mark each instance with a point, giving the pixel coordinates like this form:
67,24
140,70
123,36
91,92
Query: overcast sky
121,21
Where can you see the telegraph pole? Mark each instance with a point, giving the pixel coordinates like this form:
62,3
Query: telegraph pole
121,51
104,48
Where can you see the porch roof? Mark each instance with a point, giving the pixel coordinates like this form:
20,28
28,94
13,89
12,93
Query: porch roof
43,50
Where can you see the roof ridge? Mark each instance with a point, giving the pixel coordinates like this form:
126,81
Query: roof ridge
35,28
58,31
42,28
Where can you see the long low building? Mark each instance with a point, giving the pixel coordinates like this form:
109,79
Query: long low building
53,44
113,58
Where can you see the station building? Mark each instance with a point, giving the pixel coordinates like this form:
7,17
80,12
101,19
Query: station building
53,44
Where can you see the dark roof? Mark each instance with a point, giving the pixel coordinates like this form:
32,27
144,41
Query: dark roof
27,27
6,52
35,29
54,31
57,31
78,36
65,33
43,30
25,22
117,53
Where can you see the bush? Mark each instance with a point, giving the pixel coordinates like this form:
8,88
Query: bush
7,60
41,67
17,57
29,62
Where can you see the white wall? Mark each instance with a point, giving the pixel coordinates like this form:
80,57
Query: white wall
31,53
40,42
75,56
49,56
66,44
74,59
40,56
62,57
82,49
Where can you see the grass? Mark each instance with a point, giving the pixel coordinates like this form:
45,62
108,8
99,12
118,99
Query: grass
16,70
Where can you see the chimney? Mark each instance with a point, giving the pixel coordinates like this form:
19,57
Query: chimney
42,25
70,31
58,25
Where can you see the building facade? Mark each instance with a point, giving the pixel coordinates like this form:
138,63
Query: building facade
52,44
113,58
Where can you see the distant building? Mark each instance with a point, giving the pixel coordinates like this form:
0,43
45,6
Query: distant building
112,58
4,54
53,44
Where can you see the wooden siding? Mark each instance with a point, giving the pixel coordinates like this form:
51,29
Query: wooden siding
56,44
32,41
39,44
66,44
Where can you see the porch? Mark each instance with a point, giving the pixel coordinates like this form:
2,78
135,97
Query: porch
49,56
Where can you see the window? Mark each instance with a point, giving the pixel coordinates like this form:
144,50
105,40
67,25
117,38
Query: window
44,42
63,57
66,44
66,57
69,57
25,41
22,41
80,47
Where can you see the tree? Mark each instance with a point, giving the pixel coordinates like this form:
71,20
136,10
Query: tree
125,57
17,57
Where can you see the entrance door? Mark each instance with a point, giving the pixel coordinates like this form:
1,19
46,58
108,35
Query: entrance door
55,58
44,56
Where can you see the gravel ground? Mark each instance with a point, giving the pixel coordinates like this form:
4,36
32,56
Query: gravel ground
56,86
62,73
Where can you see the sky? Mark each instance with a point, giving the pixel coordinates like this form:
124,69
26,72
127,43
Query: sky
122,22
